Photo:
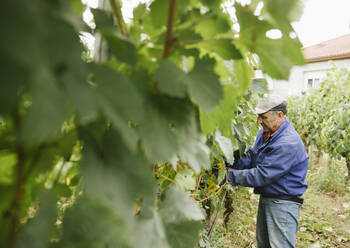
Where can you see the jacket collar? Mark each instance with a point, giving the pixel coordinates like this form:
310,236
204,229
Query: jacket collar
284,125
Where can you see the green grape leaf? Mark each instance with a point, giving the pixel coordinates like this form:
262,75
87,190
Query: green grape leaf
83,98
212,25
213,4
60,147
92,223
222,115
139,11
174,121
188,35
238,130
224,70
192,147
37,232
204,86
103,19
62,190
222,47
183,234
119,100
49,108
225,145
150,230
185,180
284,12
162,144
170,79
74,181
270,51
292,48
50,55
178,206
122,48
7,163
194,151
259,86
78,7
159,12
249,33
273,63
243,73
6,201
13,74
156,230
115,174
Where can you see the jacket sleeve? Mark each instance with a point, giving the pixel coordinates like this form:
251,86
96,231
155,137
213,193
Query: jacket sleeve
245,162
273,165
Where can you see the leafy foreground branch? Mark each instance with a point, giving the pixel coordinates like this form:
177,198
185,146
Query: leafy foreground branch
90,134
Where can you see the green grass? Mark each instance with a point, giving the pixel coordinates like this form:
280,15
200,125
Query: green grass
324,219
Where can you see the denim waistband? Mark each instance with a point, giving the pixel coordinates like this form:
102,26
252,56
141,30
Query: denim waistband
292,198
296,199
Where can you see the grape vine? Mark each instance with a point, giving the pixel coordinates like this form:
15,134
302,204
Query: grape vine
106,152
323,123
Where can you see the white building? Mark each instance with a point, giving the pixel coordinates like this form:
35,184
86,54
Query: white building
317,59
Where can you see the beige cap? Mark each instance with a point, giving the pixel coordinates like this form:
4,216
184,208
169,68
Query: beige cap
271,103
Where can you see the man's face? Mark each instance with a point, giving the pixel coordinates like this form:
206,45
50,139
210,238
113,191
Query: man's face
270,121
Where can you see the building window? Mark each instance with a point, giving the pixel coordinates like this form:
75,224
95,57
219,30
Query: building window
317,83
313,83
309,83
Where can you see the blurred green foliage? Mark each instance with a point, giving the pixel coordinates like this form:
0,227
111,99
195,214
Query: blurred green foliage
79,140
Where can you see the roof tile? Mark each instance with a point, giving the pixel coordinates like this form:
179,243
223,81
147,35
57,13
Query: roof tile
338,48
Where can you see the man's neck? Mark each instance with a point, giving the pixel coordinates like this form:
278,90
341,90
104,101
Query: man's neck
268,134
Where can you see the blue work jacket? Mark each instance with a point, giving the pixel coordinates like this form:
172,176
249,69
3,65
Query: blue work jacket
275,168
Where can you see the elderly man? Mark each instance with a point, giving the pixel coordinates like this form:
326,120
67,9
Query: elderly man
276,167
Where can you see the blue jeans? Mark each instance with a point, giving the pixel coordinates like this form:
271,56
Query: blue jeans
277,223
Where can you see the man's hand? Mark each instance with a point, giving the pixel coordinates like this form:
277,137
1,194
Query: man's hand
237,155
223,182
227,164
228,178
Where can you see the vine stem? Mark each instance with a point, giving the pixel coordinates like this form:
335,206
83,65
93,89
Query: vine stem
116,9
19,186
18,196
218,192
169,179
198,182
169,38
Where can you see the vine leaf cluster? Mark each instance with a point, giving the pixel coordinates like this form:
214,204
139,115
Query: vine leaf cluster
79,138
323,123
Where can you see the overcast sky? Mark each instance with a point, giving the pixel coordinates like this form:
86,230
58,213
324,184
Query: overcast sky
321,20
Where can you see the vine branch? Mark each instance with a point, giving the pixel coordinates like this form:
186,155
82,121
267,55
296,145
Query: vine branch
198,182
169,38
116,9
218,192
19,185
